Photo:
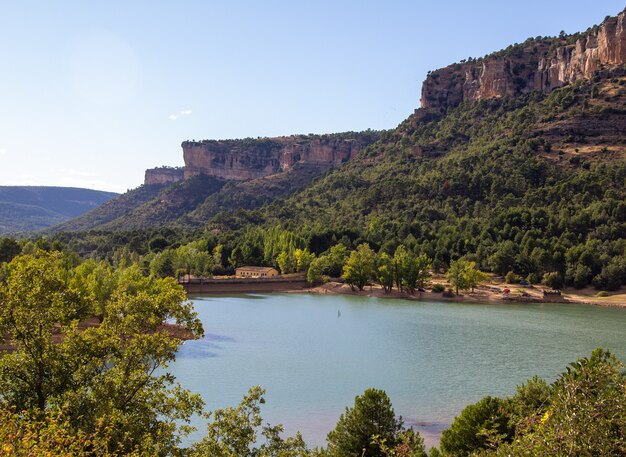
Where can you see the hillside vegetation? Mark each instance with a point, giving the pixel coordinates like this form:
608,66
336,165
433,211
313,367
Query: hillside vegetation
30,208
530,185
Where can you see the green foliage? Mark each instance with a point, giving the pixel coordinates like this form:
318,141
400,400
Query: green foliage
409,271
512,278
488,181
464,275
438,288
234,432
409,443
286,262
493,189
303,258
362,428
477,427
359,268
385,271
531,398
98,377
190,259
9,248
583,413
553,280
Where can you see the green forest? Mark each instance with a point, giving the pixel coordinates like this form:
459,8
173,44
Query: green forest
530,189
522,186
83,345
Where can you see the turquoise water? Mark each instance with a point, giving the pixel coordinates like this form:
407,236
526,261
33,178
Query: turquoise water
432,358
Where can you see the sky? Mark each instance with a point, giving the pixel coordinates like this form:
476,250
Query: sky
94,92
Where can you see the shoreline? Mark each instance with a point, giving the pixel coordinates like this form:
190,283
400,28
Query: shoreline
482,294
490,291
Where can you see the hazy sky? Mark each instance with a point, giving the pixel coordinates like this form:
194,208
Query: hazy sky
94,92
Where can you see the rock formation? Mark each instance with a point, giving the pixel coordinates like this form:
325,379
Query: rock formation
250,159
163,175
542,65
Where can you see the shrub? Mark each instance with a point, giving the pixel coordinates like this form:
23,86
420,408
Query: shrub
511,278
438,288
470,430
553,280
532,279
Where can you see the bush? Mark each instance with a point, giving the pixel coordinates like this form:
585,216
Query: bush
610,278
438,288
553,280
512,278
532,279
470,430
372,415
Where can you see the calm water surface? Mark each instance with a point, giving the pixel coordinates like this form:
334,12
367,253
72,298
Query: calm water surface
432,358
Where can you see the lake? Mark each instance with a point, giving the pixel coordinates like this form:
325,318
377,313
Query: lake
314,353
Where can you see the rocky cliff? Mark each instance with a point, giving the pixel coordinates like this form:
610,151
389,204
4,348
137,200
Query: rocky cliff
163,175
251,159
541,64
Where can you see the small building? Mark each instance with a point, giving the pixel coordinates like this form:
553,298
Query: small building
256,272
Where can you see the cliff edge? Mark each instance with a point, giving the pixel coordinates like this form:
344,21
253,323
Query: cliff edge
538,64
256,158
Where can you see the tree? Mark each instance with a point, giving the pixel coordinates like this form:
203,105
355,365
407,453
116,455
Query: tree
400,262
337,256
372,416
303,258
476,428
417,272
286,262
9,248
385,271
553,280
233,432
464,274
503,260
102,378
473,275
456,274
36,297
581,276
315,272
163,264
409,443
359,268
329,264
583,414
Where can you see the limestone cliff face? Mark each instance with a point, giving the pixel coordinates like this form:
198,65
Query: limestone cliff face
536,65
163,175
250,159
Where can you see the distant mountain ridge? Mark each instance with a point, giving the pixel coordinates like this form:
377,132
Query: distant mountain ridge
31,208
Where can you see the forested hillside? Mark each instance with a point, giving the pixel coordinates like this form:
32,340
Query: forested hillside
531,184
28,208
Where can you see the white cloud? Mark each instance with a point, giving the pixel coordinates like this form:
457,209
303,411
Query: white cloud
175,116
3,152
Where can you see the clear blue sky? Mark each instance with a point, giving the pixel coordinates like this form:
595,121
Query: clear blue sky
94,92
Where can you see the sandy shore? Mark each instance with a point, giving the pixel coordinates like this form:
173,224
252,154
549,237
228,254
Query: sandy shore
488,292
